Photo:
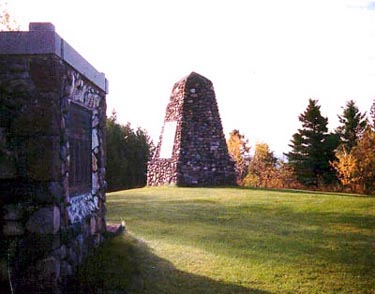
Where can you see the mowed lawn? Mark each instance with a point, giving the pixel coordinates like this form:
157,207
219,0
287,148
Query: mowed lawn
233,240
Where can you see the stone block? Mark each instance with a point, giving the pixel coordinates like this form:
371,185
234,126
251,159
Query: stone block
48,271
43,162
41,26
34,247
40,115
56,190
45,75
48,193
93,225
8,168
13,212
66,269
44,221
60,253
11,228
20,87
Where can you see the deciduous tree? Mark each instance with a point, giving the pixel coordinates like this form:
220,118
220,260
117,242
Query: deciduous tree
346,166
239,151
356,169
372,114
7,22
262,167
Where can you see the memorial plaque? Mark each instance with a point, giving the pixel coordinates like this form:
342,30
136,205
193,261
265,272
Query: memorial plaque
79,134
169,134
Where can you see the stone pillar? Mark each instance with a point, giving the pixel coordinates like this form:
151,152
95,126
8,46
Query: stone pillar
192,150
52,162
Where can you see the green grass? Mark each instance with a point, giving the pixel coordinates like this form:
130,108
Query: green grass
232,240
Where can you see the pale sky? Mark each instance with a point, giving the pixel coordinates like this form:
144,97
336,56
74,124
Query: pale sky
265,58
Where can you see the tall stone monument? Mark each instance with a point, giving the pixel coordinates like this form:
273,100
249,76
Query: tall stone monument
192,150
52,164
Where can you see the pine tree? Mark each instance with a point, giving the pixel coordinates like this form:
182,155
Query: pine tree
353,124
313,148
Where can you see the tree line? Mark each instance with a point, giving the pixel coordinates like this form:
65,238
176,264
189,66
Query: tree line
342,160
128,152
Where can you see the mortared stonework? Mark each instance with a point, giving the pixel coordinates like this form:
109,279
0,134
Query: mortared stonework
192,150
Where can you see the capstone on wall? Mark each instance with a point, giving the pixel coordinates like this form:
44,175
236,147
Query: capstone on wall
192,150
52,162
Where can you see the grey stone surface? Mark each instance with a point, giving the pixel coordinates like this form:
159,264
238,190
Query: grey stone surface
44,221
42,39
48,270
50,228
11,228
13,212
198,156
41,26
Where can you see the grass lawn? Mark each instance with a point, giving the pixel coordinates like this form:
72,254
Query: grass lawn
232,240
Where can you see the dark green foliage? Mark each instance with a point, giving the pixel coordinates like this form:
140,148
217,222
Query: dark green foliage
353,124
128,152
313,149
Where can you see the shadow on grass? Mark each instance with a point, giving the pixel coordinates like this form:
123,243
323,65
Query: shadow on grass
264,232
126,265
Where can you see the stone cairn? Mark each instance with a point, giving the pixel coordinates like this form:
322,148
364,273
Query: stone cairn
52,164
192,150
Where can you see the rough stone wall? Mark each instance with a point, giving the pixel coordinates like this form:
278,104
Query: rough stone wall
45,231
200,155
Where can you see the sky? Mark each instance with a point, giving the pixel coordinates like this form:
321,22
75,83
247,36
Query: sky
265,58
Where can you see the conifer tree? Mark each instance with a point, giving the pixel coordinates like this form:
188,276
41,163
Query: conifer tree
128,152
353,124
313,148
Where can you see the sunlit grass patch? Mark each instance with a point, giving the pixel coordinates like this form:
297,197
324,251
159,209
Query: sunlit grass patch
233,240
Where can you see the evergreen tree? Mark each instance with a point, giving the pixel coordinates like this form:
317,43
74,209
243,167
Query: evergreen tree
353,124
128,152
313,148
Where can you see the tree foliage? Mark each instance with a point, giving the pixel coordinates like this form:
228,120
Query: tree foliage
356,169
239,151
353,123
266,171
7,22
262,167
128,152
313,148
372,114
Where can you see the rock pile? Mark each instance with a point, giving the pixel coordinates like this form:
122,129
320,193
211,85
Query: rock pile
192,150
